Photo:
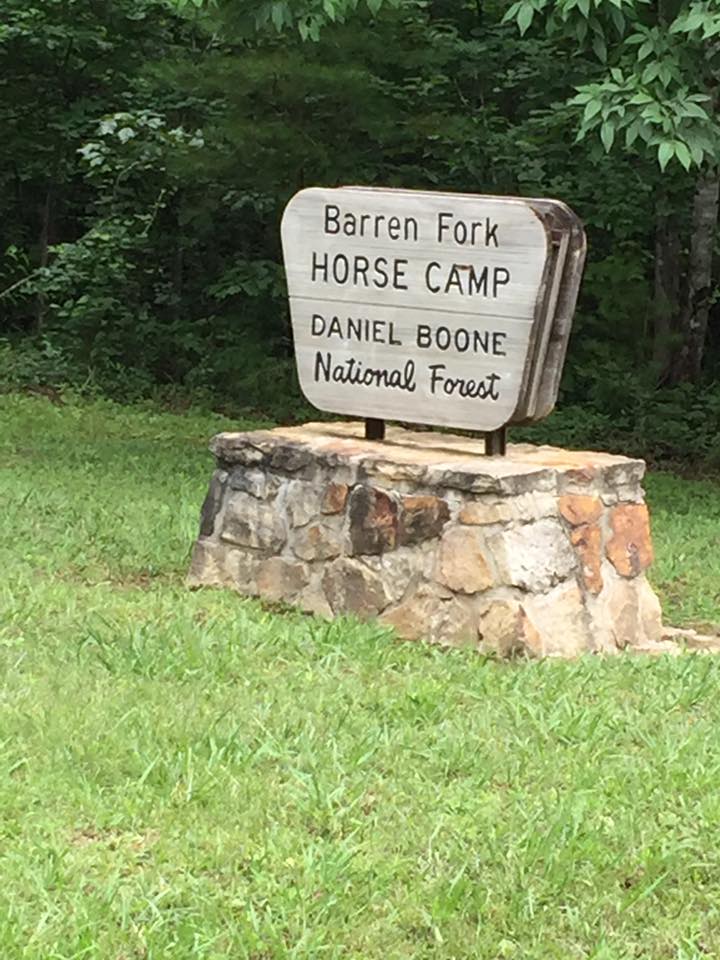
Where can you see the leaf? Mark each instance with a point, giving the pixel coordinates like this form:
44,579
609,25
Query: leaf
694,20
591,110
646,49
683,154
277,15
511,13
665,153
631,133
640,98
666,73
653,113
525,18
618,20
599,48
696,151
607,135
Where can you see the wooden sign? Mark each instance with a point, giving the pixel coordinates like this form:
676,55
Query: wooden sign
447,309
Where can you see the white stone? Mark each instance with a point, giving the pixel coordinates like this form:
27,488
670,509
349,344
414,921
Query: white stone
399,567
560,619
534,556
625,613
524,508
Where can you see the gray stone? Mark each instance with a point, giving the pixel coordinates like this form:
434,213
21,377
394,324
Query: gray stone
351,587
401,567
318,541
216,564
443,479
290,458
212,503
313,600
250,522
279,579
388,470
434,614
302,502
624,473
683,637
239,448
436,539
258,483
629,493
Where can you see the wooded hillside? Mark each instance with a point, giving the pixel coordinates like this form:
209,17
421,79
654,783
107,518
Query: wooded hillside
149,148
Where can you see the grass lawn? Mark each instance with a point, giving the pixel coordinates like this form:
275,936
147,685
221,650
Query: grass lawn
189,775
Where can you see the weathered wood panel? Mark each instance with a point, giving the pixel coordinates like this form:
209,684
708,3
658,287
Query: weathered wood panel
421,307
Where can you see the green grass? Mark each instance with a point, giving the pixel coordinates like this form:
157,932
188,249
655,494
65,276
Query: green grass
188,775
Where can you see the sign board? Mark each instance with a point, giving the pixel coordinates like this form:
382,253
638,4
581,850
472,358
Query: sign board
447,309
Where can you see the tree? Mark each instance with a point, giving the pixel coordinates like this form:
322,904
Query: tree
654,89
62,66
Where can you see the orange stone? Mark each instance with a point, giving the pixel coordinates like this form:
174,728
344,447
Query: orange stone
422,518
587,540
461,563
373,520
629,549
580,508
505,629
334,498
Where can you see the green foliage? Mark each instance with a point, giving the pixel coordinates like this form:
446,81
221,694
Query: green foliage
678,427
657,71
141,205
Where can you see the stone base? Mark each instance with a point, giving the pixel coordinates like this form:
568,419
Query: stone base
541,552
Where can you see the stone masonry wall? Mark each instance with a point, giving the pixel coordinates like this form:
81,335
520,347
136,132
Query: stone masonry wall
542,552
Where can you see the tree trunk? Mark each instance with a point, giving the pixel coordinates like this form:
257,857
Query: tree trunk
44,250
666,300
687,363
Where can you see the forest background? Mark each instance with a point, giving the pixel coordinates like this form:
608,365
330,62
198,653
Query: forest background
149,147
